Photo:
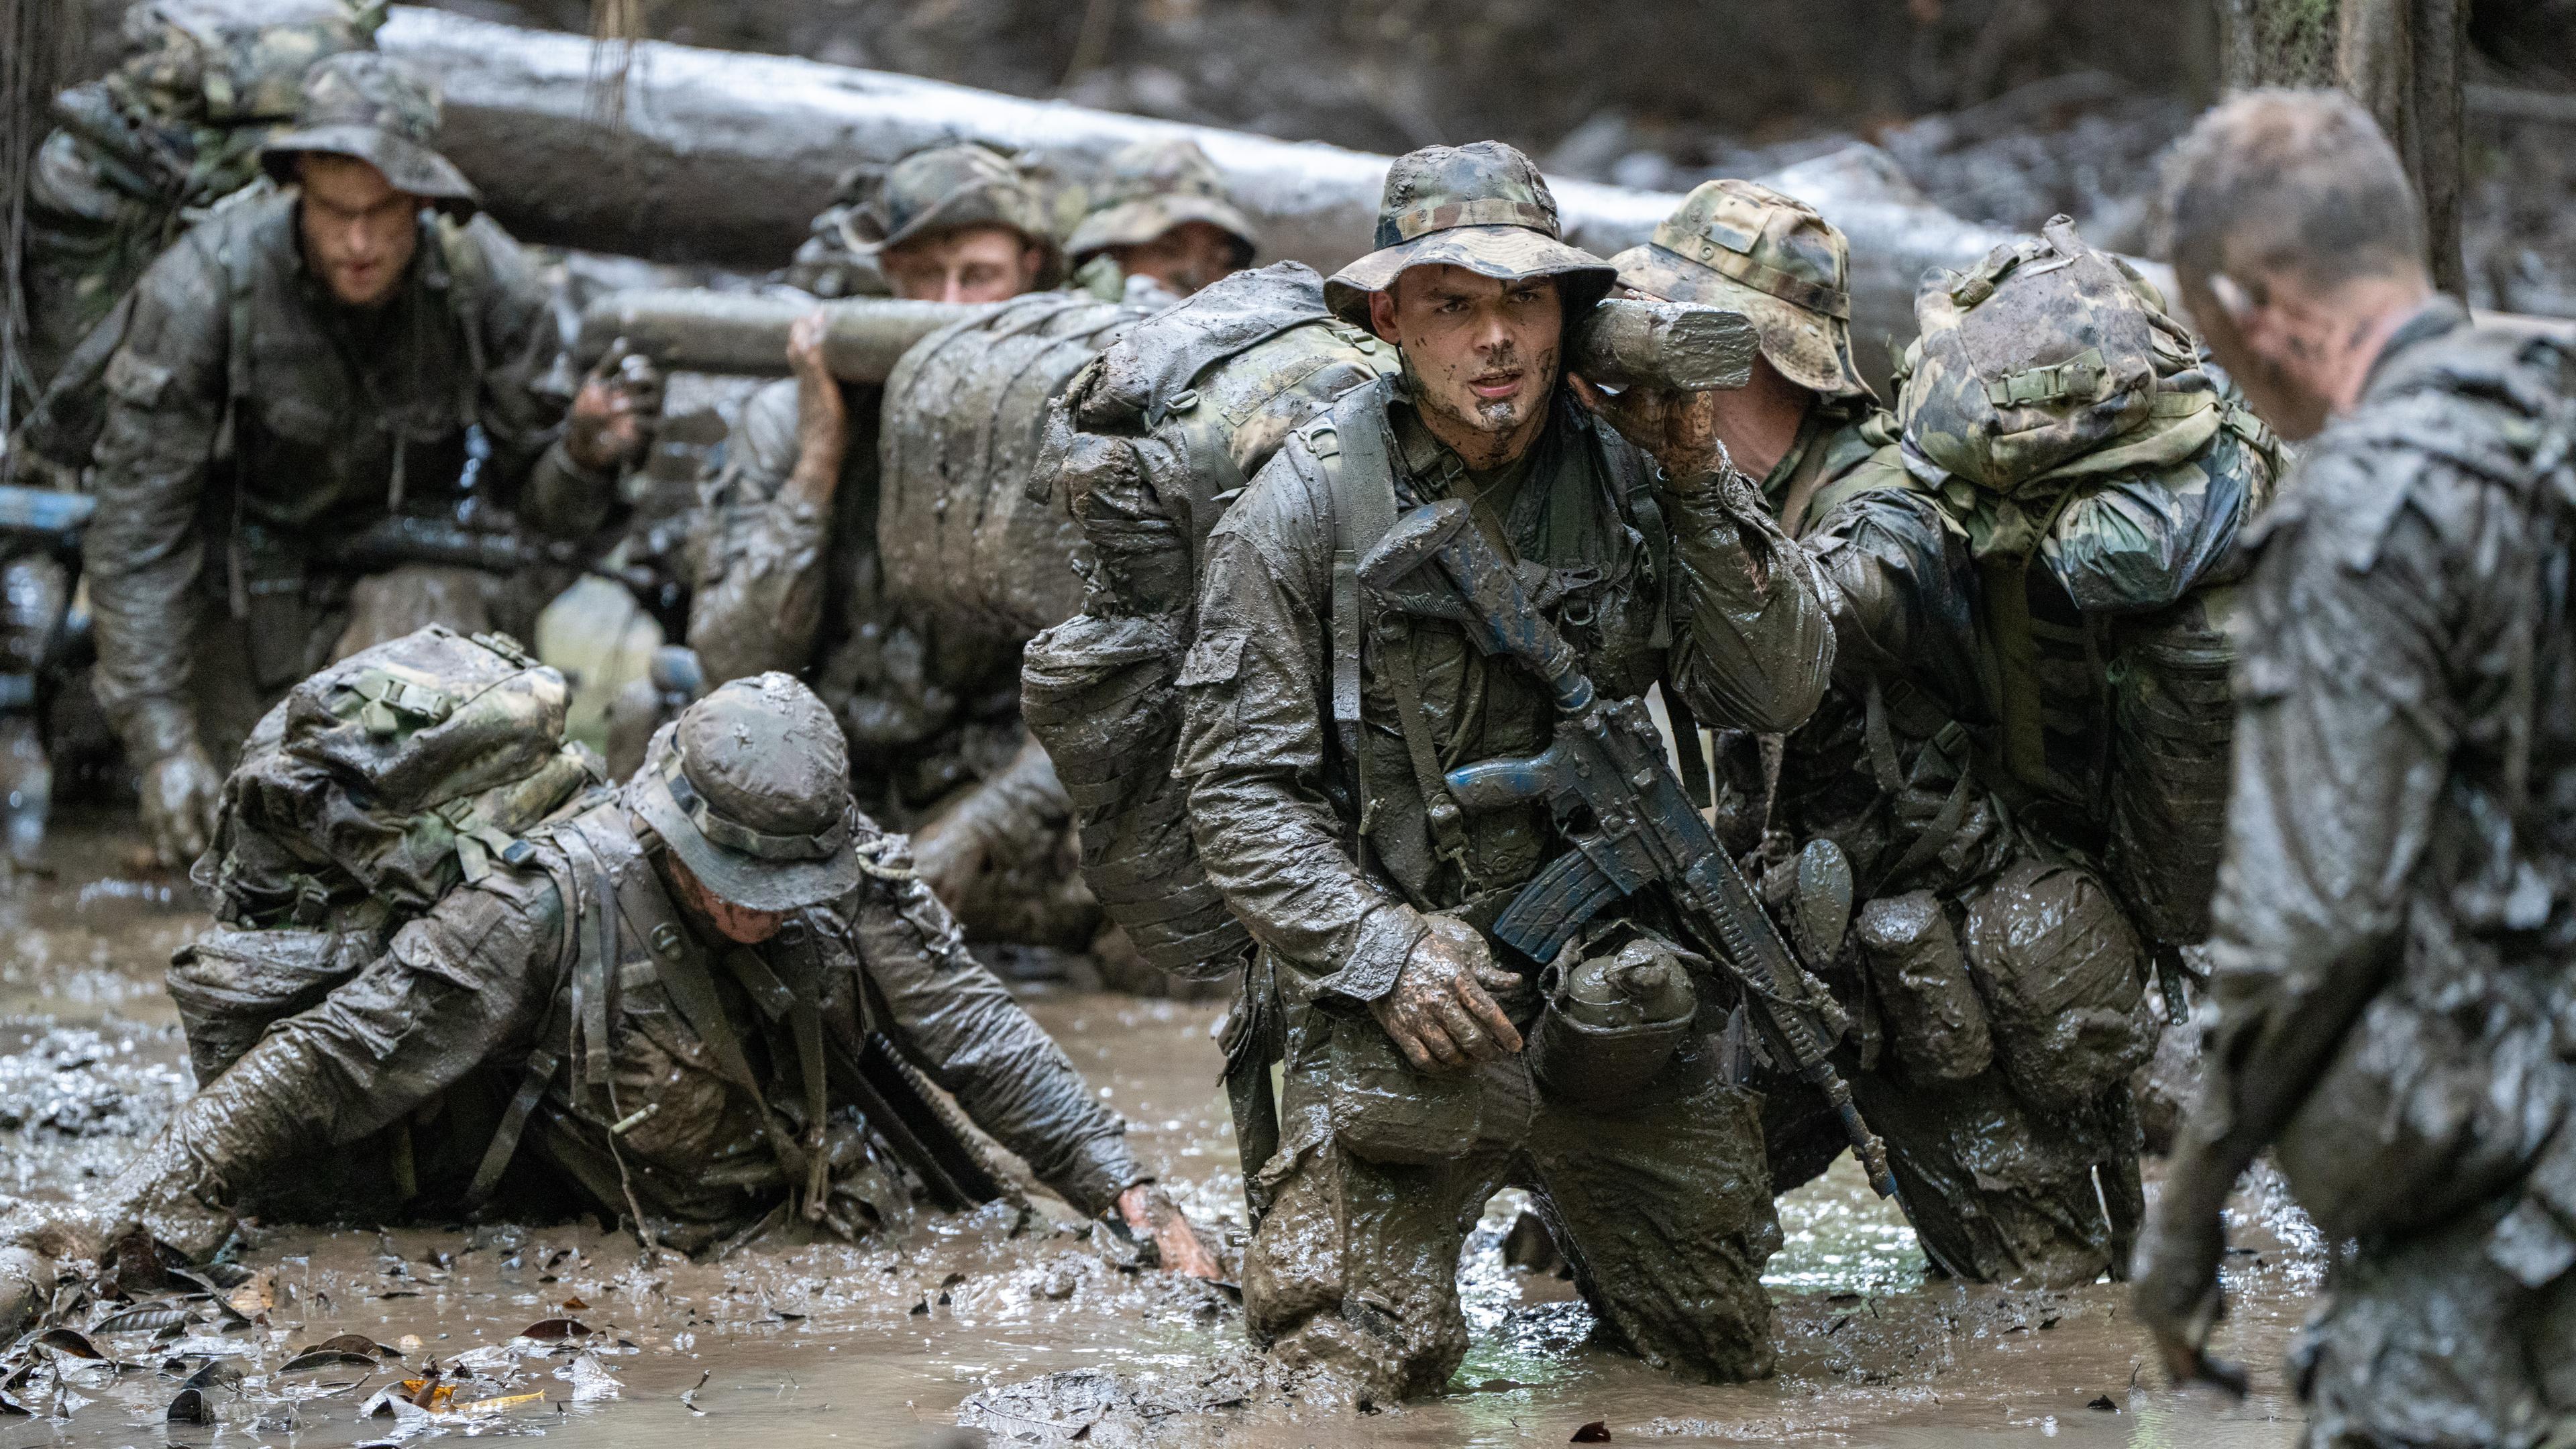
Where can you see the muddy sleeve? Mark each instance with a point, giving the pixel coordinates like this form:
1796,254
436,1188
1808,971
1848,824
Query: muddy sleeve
956,1022
522,396
2140,542
757,560
143,552
457,986
2369,638
1752,644
1255,692
1904,594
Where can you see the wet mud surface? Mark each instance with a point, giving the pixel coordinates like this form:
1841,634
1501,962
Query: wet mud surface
1038,1332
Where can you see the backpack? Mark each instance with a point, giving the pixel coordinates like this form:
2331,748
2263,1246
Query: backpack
371,791
1151,442
2047,368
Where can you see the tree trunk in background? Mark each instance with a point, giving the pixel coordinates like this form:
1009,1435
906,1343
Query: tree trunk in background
2401,59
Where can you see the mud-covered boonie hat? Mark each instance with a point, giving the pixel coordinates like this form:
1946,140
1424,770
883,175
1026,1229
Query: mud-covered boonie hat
1481,206
948,188
750,788
1772,257
374,108
1152,187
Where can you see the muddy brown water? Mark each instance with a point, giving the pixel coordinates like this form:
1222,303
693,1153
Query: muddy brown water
881,1344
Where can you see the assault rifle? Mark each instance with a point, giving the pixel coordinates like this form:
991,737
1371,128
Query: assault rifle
407,539
1608,759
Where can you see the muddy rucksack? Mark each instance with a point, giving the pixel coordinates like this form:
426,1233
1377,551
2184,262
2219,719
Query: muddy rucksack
373,789
1151,442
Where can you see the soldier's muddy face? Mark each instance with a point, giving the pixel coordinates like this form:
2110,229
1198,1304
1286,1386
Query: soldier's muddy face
1483,354
969,264
1186,258
359,232
735,923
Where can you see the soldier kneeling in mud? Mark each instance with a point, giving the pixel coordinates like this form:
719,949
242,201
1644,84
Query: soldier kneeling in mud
709,1002
2022,763
1314,746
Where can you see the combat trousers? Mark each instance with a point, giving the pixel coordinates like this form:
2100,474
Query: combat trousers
2426,1342
1660,1201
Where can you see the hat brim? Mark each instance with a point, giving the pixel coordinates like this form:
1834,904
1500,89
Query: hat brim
743,880
1134,223
1506,253
963,210
407,165
1810,349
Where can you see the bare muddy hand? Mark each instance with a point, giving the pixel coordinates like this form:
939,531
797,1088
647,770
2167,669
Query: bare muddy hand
1441,1011
822,414
1150,1210
1678,428
612,415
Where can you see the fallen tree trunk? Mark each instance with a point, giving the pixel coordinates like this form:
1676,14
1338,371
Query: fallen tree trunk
724,158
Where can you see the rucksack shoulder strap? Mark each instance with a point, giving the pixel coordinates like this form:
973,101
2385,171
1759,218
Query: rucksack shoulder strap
1352,447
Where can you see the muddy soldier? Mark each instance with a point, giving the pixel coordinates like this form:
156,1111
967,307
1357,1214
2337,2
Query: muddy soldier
2398,905
784,551
1161,227
1409,1100
768,947
2009,901
314,392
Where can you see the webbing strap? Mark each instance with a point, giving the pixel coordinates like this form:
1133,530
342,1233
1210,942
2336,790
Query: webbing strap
1359,486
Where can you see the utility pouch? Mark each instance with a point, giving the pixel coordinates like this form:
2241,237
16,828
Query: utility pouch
269,599
1928,1004
1386,1112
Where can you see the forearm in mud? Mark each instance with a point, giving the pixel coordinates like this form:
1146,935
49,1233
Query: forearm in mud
1753,643
958,1024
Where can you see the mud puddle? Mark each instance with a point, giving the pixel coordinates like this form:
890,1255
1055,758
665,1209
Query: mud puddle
570,1332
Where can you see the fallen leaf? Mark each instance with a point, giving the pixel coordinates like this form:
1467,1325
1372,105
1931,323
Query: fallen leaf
190,1407
494,1406
428,1393
71,1341
555,1328
217,1374
574,1305
313,1358
1596,1432
135,1320
355,1343
2104,1405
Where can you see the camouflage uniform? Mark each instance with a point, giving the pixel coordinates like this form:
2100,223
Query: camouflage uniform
1150,188
1661,1197
928,710
565,1018
2024,753
140,155
256,425
2394,922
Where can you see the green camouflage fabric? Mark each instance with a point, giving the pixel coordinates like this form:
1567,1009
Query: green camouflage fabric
1153,186
137,156
380,111
1481,206
1750,249
950,187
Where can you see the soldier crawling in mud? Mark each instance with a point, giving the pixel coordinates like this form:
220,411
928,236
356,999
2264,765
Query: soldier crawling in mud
2397,909
297,396
784,558
2023,754
1409,1100
1160,227
705,1003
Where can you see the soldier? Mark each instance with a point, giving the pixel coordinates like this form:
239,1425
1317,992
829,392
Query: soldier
297,402
784,556
2008,1171
1408,1099
957,223
2393,918
139,155
1160,228
766,943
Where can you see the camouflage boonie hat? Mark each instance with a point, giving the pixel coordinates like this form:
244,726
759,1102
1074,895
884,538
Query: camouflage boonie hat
1481,206
750,788
1750,249
949,187
1154,186
378,110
